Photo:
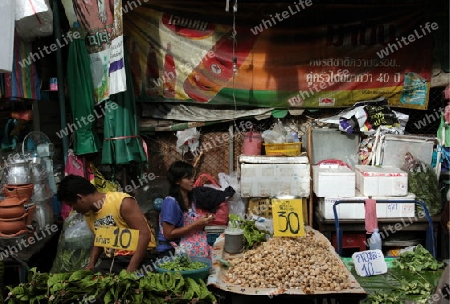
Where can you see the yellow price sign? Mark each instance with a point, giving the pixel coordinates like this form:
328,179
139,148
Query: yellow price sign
116,238
287,217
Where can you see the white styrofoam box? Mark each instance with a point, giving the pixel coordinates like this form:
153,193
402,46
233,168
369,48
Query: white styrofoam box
34,18
403,206
266,180
7,12
334,181
262,159
381,181
396,146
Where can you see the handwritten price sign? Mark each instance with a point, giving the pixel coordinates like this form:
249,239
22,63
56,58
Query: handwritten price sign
116,238
287,217
369,263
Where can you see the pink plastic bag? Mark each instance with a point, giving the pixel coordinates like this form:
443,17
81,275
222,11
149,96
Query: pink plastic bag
74,165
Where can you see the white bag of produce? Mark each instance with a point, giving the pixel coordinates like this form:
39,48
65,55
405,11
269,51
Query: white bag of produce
34,18
74,245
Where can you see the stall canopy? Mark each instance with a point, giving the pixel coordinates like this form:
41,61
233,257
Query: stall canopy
304,54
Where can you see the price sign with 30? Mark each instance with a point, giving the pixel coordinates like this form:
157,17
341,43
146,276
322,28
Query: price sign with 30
116,238
287,217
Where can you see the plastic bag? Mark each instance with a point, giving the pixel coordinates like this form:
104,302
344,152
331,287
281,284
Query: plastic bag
423,182
101,183
74,245
235,203
221,215
187,140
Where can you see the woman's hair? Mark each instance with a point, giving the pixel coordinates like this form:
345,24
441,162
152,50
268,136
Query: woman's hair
177,171
72,185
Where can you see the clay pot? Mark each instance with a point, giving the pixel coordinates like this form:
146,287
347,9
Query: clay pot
12,211
24,191
14,225
12,201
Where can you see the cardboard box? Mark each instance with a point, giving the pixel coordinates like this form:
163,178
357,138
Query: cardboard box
267,180
381,181
404,206
333,181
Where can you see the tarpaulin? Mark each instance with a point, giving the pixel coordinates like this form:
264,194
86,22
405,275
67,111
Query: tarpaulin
288,55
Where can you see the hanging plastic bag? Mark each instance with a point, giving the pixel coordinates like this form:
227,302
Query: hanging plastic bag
101,183
423,182
187,140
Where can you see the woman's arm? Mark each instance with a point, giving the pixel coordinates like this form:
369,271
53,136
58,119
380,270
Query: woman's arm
171,233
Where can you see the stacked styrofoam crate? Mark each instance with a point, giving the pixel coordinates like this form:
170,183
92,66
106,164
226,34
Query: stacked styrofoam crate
334,180
264,177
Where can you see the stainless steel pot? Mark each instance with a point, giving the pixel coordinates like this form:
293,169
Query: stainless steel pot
17,173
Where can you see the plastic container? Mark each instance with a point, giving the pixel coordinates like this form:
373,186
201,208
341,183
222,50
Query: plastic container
283,149
375,240
198,274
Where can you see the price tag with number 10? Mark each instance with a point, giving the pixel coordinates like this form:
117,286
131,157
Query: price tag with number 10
287,217
116,238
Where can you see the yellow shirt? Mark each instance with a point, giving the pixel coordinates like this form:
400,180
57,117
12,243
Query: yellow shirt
109,215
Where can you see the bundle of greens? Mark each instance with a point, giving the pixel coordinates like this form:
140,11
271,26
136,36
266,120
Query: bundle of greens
252,235
419,259
84,286
182,263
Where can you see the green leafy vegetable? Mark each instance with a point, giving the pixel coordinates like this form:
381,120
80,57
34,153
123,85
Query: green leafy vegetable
182,263
418,260
122,288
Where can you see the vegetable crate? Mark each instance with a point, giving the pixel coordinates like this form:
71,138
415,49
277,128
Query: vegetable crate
283,149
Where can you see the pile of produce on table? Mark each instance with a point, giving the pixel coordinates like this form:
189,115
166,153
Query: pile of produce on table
305,263
84,286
